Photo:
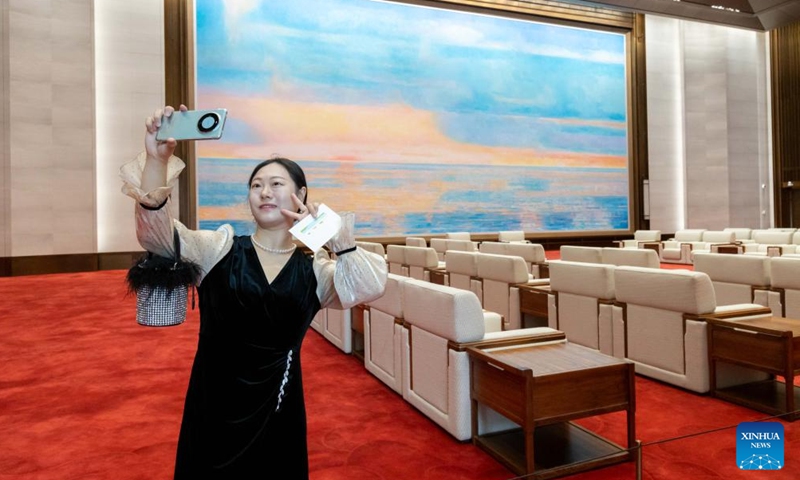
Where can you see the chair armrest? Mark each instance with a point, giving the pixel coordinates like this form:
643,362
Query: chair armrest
509,338
733,311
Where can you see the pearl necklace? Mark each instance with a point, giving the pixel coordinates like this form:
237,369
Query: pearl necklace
272,250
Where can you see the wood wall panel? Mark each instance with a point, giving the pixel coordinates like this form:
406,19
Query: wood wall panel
785,62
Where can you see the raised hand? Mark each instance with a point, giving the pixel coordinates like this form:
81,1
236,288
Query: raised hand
154,148
302,211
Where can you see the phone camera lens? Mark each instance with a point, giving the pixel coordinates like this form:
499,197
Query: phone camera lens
208,122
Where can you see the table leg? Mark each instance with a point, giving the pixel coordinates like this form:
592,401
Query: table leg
789,379
529,460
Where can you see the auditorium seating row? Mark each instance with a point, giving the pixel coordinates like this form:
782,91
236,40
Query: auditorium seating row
686,243
631,257
768,281
651,316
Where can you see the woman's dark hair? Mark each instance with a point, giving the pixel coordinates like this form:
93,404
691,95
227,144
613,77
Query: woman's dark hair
297,174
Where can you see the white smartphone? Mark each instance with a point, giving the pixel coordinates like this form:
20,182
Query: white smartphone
193,125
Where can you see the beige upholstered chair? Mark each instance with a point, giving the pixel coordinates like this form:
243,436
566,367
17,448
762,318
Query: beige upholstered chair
581,304
416,242
786,282
772,243
741,234
373,247
462,272
739,278
575,253
458,236
420,261
509,236
711,240
441,322
661,312
383,334
500,276
532,253
679,248
335,325
641,237
631,257
443,245
318,323
396,258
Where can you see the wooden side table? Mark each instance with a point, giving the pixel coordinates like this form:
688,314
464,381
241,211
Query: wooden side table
541,388
770,345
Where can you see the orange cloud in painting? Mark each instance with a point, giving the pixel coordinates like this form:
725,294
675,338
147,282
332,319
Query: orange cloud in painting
373,133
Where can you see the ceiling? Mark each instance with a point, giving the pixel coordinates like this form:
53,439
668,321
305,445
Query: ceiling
760,15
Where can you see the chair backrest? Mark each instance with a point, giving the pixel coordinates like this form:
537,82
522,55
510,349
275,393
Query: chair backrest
772,237
581,307
420,260
740,233
497,248
575,253
511,236
581,278
689,235
462,271
396,258
786,276
683,291
416,242
444,311
459,236
460,245
718,236
443,245
734,276
647,235
532,253
391,302
498,275
632,257
373,247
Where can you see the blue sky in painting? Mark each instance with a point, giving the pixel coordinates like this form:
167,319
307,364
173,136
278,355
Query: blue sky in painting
490,80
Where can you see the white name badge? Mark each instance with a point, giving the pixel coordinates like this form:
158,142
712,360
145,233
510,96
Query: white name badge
315,232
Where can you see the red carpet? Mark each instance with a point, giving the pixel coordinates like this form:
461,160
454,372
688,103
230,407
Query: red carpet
85,393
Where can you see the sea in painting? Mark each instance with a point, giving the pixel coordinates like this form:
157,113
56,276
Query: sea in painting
397,199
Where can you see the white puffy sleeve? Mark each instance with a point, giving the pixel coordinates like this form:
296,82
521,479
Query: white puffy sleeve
356,275
155,224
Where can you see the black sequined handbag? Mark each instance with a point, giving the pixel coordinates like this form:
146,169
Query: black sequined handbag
162,286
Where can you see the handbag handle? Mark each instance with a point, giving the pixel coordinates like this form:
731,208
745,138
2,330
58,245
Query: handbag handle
176,239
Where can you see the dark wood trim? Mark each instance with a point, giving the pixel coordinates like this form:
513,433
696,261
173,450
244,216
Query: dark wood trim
638,124
179,89
82,262
785,88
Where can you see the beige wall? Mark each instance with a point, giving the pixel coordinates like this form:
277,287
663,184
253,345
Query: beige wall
51,126
129,63
708,135
63,139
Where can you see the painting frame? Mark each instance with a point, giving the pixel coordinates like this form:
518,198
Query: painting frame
180,86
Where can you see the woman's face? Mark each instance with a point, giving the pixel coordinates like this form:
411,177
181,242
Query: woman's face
270,191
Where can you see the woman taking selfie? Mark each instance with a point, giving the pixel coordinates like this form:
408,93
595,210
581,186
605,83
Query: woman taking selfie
244,413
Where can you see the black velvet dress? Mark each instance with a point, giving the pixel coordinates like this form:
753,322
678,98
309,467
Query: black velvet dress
244,415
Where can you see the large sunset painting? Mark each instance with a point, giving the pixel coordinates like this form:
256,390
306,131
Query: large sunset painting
421,120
